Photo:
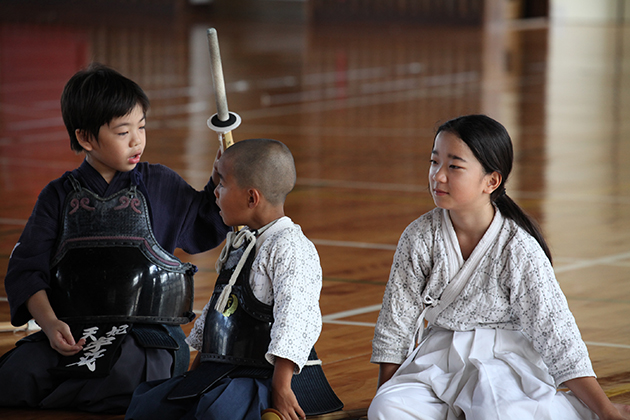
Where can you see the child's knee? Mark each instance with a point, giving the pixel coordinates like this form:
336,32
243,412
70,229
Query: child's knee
413,403
381,408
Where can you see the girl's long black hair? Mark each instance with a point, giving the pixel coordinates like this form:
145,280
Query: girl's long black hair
492,146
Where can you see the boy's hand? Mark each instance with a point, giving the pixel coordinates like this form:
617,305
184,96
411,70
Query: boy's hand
282,396
60,337
215,174
57,331
285,402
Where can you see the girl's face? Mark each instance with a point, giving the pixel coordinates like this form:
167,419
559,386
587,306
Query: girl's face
457,179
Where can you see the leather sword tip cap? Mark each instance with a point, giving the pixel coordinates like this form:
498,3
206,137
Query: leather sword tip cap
271,414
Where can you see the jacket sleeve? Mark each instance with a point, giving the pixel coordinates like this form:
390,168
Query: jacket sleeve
545,317
296,275
29,264
183,217
402,303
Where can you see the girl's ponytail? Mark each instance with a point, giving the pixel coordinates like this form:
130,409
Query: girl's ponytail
511,210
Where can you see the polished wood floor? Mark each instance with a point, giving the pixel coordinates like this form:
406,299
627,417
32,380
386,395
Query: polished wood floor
357,103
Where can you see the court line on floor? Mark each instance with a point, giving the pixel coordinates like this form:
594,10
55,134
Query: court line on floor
586,263
598,344
351,244
419,188
362,185
449,85
352,312
335,319
358,185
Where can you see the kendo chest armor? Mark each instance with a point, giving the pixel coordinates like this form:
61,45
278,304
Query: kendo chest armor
240,334
108,266
236,340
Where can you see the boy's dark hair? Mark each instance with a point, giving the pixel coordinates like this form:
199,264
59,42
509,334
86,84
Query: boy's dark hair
264,164
95,96
492,146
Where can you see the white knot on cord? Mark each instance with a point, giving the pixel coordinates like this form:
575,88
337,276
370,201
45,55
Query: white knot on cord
429,303
233,241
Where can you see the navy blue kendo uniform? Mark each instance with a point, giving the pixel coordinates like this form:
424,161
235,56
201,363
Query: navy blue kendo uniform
114,282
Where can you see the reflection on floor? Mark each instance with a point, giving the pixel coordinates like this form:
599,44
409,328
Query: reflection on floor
357,103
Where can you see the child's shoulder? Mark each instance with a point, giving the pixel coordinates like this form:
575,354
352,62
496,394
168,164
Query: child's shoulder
58,187
283,229
436,215
423,231
515,240
428,222
284,246
287,235
157,173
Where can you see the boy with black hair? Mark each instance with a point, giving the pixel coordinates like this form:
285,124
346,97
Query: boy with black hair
256,334
94,264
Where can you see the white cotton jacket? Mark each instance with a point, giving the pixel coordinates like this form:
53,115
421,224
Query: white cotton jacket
287,274
512,287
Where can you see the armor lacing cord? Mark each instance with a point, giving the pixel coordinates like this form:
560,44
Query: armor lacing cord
234,241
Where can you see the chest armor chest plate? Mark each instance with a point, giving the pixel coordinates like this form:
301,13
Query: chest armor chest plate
108,266
242,332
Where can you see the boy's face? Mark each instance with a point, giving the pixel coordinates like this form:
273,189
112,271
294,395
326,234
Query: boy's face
120,144
233,200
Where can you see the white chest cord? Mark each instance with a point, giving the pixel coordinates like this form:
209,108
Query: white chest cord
429,303
234,241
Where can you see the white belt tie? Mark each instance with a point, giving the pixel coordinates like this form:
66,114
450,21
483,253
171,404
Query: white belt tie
429,303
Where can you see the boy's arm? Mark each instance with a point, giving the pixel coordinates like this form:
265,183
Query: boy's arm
188,219
282,396
29,264
57,331
195,363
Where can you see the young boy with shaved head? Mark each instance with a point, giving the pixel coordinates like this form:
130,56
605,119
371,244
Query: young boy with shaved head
261,323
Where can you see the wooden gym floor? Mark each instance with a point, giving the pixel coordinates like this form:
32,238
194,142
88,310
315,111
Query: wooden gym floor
357,104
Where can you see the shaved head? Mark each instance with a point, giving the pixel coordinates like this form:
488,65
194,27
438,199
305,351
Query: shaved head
264,164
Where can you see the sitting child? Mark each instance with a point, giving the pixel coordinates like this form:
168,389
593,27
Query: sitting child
94,264
262,321
501,337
